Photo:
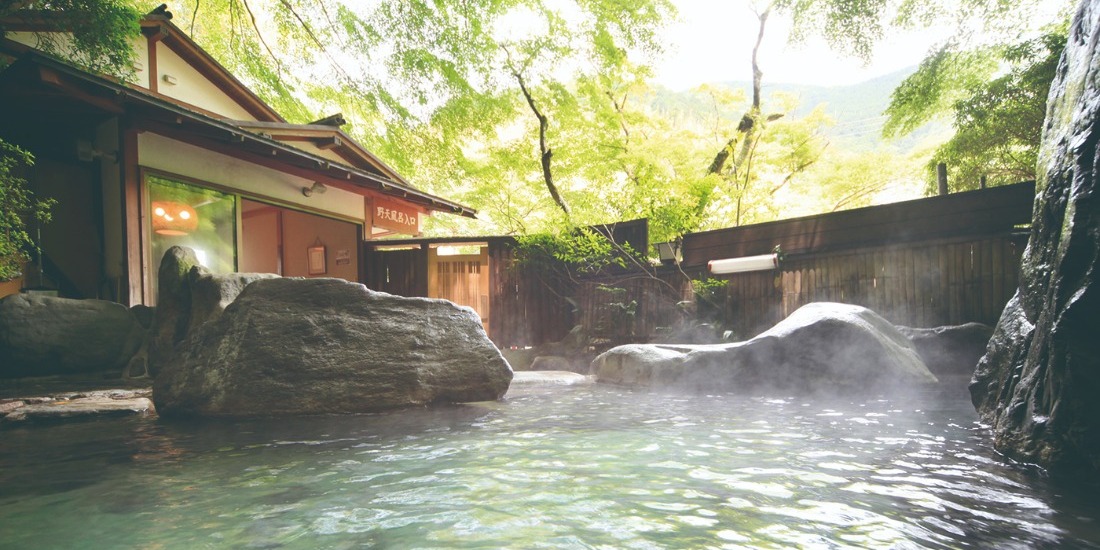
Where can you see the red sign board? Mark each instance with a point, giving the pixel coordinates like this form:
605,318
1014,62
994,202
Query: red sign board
396,216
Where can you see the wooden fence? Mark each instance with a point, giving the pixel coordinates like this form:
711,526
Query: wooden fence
922,285
929,262
529,305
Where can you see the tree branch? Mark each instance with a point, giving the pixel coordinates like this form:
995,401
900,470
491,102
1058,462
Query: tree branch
545,152
260,35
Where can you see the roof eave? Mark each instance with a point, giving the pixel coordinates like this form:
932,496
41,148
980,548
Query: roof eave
233,136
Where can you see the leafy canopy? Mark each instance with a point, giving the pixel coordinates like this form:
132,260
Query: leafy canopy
99,31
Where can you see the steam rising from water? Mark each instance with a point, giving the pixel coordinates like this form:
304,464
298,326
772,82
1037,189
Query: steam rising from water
587,467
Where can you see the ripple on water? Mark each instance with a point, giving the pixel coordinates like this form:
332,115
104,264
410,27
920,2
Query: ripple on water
589,467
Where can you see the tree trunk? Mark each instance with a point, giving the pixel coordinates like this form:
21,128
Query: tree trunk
545,152
749,125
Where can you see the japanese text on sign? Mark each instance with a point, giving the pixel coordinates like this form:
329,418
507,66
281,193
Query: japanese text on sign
382,213
396,216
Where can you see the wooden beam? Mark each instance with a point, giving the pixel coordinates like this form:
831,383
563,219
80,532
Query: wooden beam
137,265
329,142
151,54
213,144
55,80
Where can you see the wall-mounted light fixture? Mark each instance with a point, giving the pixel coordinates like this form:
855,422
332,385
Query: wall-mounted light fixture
746,263
86,151
318,188
669,252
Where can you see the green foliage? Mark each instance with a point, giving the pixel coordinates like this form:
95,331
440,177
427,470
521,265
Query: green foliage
854,27
431,88
100,32
581,250
783,147
852,179
710,289
999,123
17,205
943,78
710,301
851,26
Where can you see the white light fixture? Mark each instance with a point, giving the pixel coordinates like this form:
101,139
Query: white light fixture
317,187
740,265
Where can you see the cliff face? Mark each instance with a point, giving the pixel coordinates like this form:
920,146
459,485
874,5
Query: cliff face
1038,385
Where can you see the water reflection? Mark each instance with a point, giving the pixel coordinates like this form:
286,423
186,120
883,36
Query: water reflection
578,468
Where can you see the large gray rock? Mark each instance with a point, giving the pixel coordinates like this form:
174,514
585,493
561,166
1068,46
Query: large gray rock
172,316
1038,383
951,350
821,347
45,335
305,346
188,295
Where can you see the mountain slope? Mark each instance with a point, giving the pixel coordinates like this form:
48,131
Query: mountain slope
856,109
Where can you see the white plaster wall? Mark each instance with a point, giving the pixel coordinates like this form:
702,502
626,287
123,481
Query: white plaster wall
141,51
193,88
313,149
161,153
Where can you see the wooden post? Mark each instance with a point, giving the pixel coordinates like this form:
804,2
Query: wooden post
981,183
941,177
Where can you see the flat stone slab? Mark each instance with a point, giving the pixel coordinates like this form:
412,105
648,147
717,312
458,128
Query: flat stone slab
545,380
77,405
550,378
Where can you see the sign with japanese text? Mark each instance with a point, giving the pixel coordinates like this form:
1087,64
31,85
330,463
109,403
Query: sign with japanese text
396,216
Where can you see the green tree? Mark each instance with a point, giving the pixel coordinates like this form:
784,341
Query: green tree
998,120
99,31
991,75
17,206
440,89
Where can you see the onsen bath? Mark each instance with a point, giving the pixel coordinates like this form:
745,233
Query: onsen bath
582,466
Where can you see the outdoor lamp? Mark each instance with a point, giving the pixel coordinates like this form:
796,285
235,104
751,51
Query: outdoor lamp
317,187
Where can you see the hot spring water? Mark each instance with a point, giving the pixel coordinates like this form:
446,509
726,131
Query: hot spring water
586,467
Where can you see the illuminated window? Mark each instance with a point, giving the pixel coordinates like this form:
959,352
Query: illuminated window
204,220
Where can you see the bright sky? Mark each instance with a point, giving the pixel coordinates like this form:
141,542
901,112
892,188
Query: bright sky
713,42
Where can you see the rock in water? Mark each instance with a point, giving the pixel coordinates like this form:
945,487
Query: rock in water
950,350
188,295
45,335
821,347
1038,382
306,346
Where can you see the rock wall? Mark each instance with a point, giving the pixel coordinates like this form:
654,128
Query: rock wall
950,350
1037,384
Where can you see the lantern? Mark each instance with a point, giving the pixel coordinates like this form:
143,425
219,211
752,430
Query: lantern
174,218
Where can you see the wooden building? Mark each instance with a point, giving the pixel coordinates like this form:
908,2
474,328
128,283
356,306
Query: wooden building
186,155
